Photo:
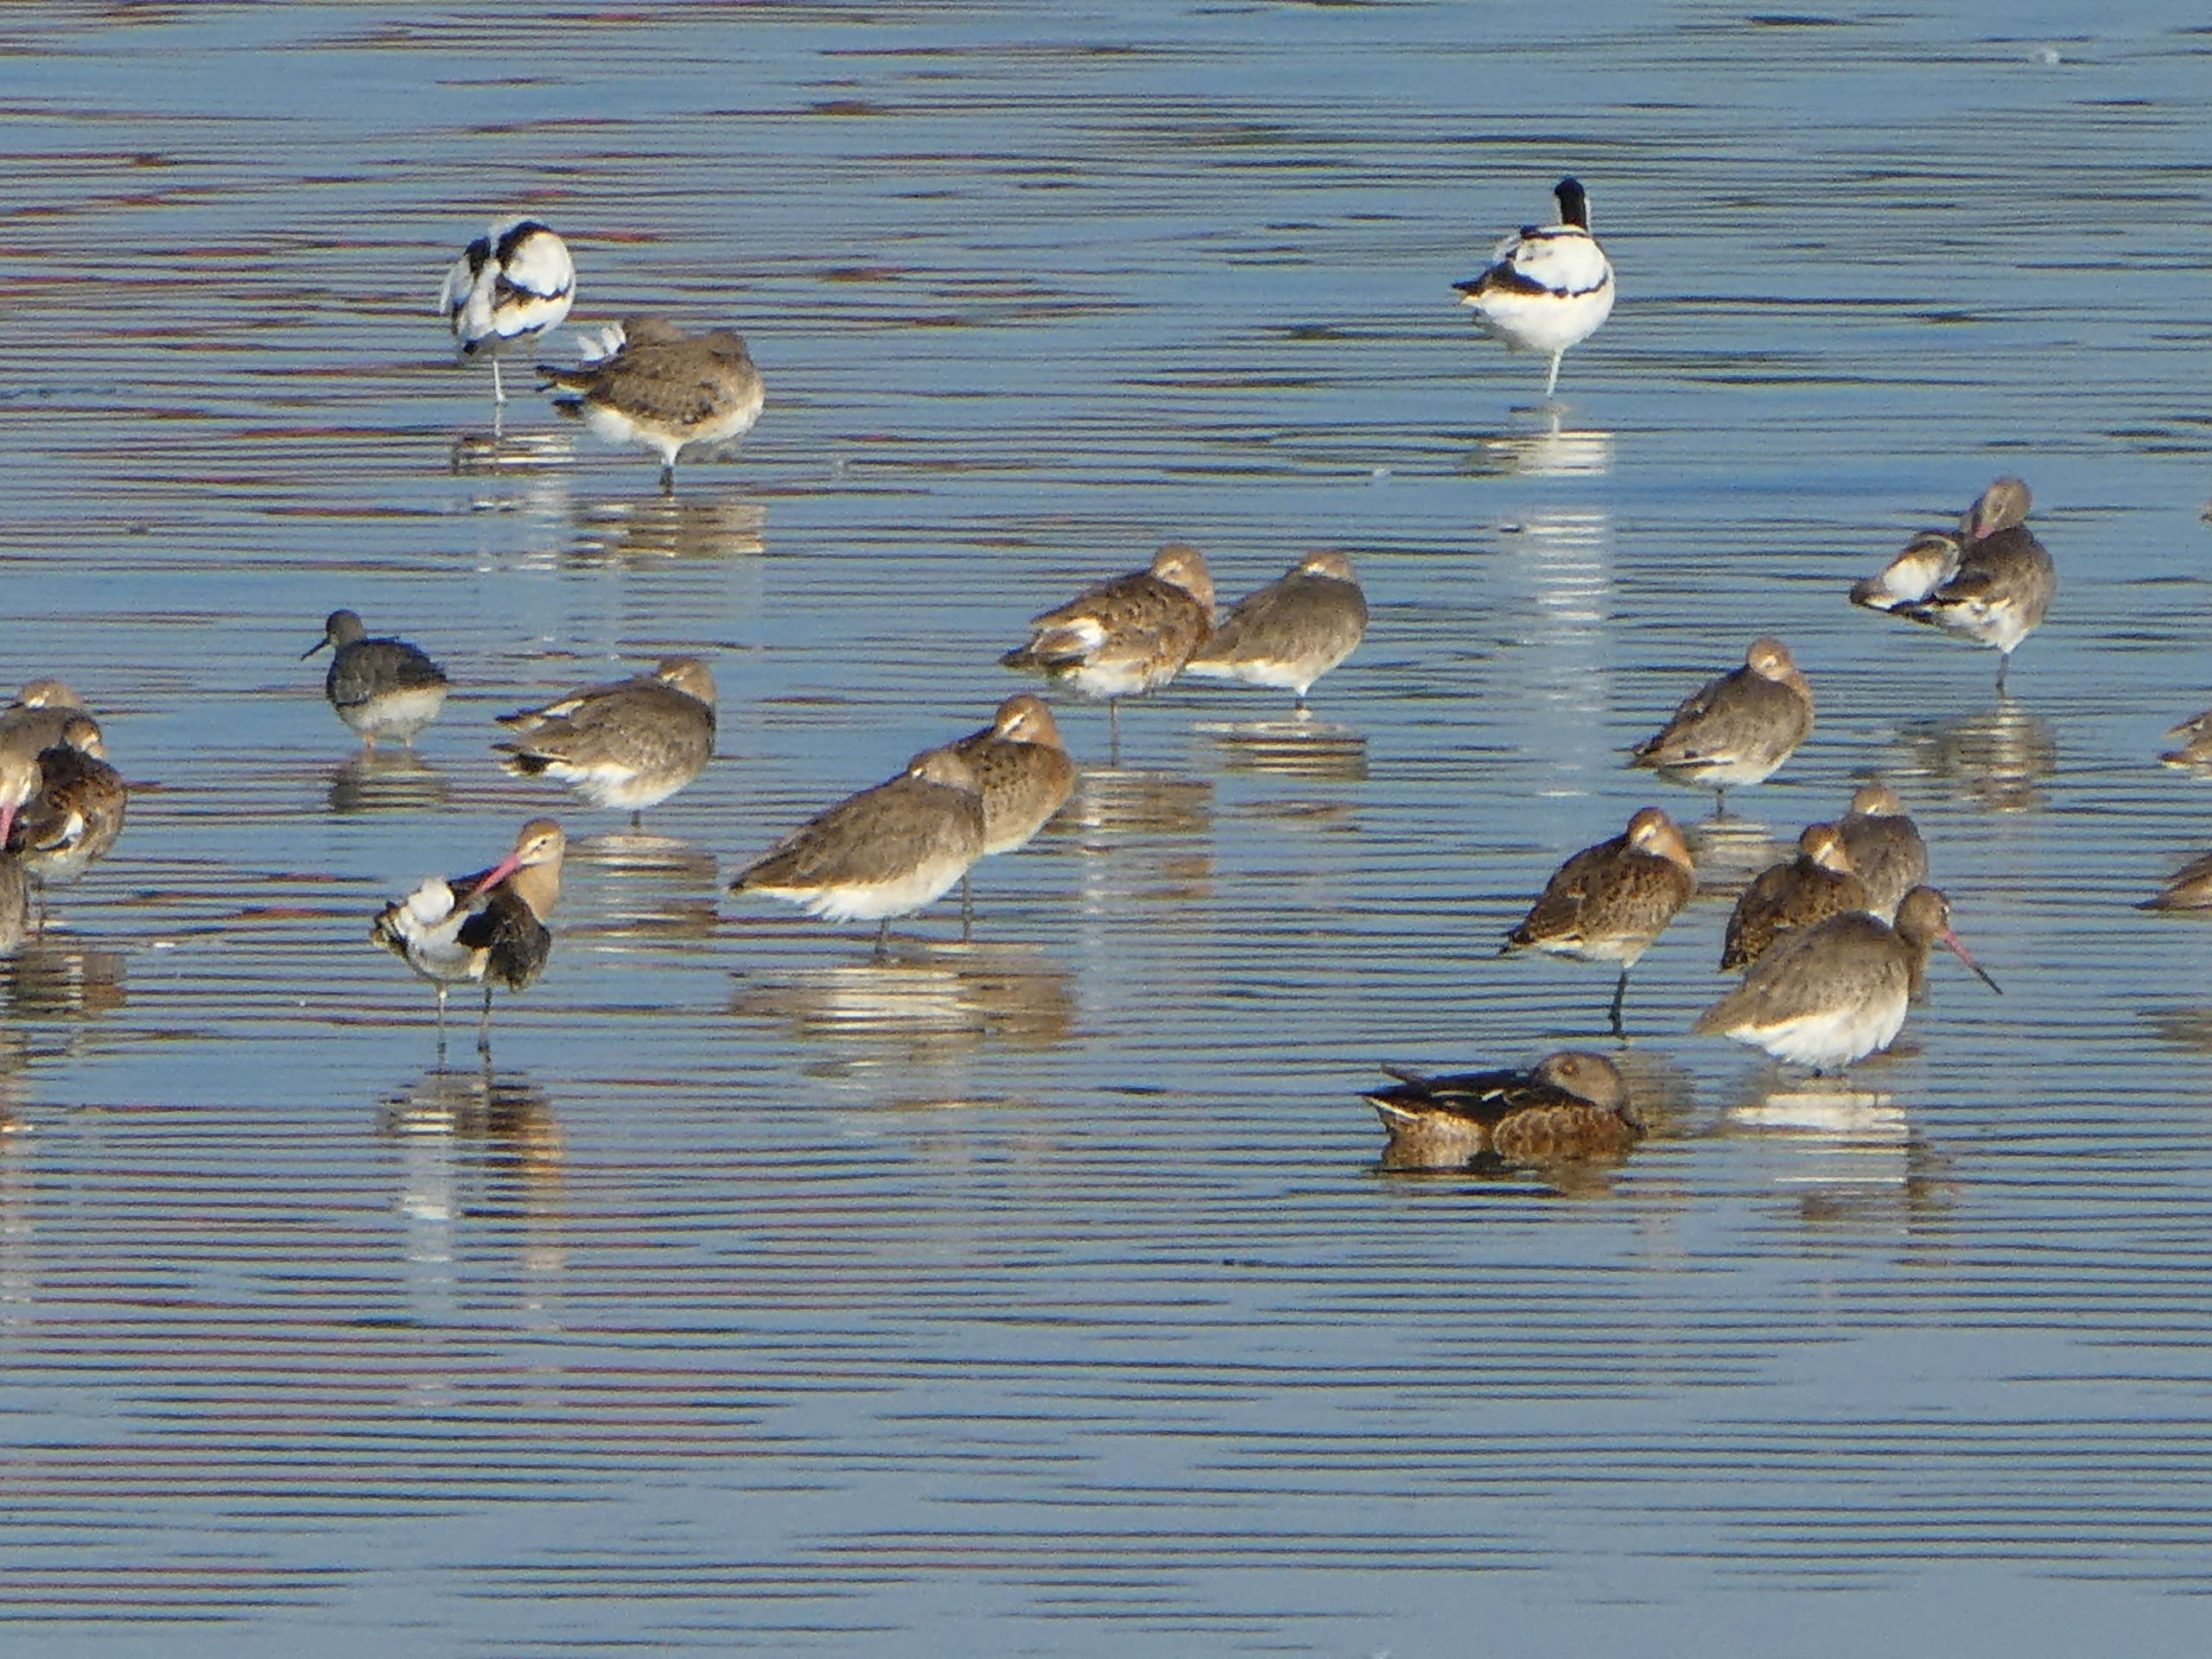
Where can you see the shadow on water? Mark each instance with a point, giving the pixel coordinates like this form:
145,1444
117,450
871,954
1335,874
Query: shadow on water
480,1160
505,1119
1729,851
1999,760
646,528
387,780
924,999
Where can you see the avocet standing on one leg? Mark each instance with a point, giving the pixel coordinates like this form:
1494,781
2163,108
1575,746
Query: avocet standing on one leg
1547,288
515,282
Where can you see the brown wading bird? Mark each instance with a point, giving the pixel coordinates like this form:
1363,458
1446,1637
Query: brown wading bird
1793,895
60,804
2190,887
1887,854
631,743
884,853
1990,583
1290,632
488,927
1609,902
1122,638
1839,990
1737,729
381,688
2196,742
1024,773
1570,1105
76,816
647,383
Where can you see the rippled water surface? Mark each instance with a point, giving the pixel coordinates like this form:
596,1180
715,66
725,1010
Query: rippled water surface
1043,1294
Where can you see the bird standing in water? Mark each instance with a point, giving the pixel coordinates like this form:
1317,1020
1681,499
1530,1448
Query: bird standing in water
1547,288
648,384
1290,632
1609,902
1992,583
882,854
1737,729
488,927
380,688
513,283
1839,990
1124,637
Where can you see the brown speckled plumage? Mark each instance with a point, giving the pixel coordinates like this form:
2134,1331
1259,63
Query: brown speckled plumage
628,743
1122,638
1992,583
1609,902
1817,883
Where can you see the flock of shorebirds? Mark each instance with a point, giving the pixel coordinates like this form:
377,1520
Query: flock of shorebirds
1832,944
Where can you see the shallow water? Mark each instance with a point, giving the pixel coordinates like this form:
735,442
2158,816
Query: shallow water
1043,1293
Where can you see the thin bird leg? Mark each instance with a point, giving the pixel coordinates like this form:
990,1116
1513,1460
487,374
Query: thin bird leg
668,478
1620,992
499,391
967,910
883,938
1720,802
484,1025
1550,385
2004,662
1114,725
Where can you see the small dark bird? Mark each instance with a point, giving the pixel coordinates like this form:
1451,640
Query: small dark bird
381,688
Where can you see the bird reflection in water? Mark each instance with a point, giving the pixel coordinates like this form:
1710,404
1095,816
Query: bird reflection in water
654,888
385,781
474,1145
47,977
656,526
925,1002
1999,761
1317,750
1729,852
493,453
1144,837
1540,446
1849,1157
16,903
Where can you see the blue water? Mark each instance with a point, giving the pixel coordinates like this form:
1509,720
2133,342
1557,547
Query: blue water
1044,1294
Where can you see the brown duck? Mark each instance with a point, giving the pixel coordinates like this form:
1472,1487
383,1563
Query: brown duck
1570,1105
